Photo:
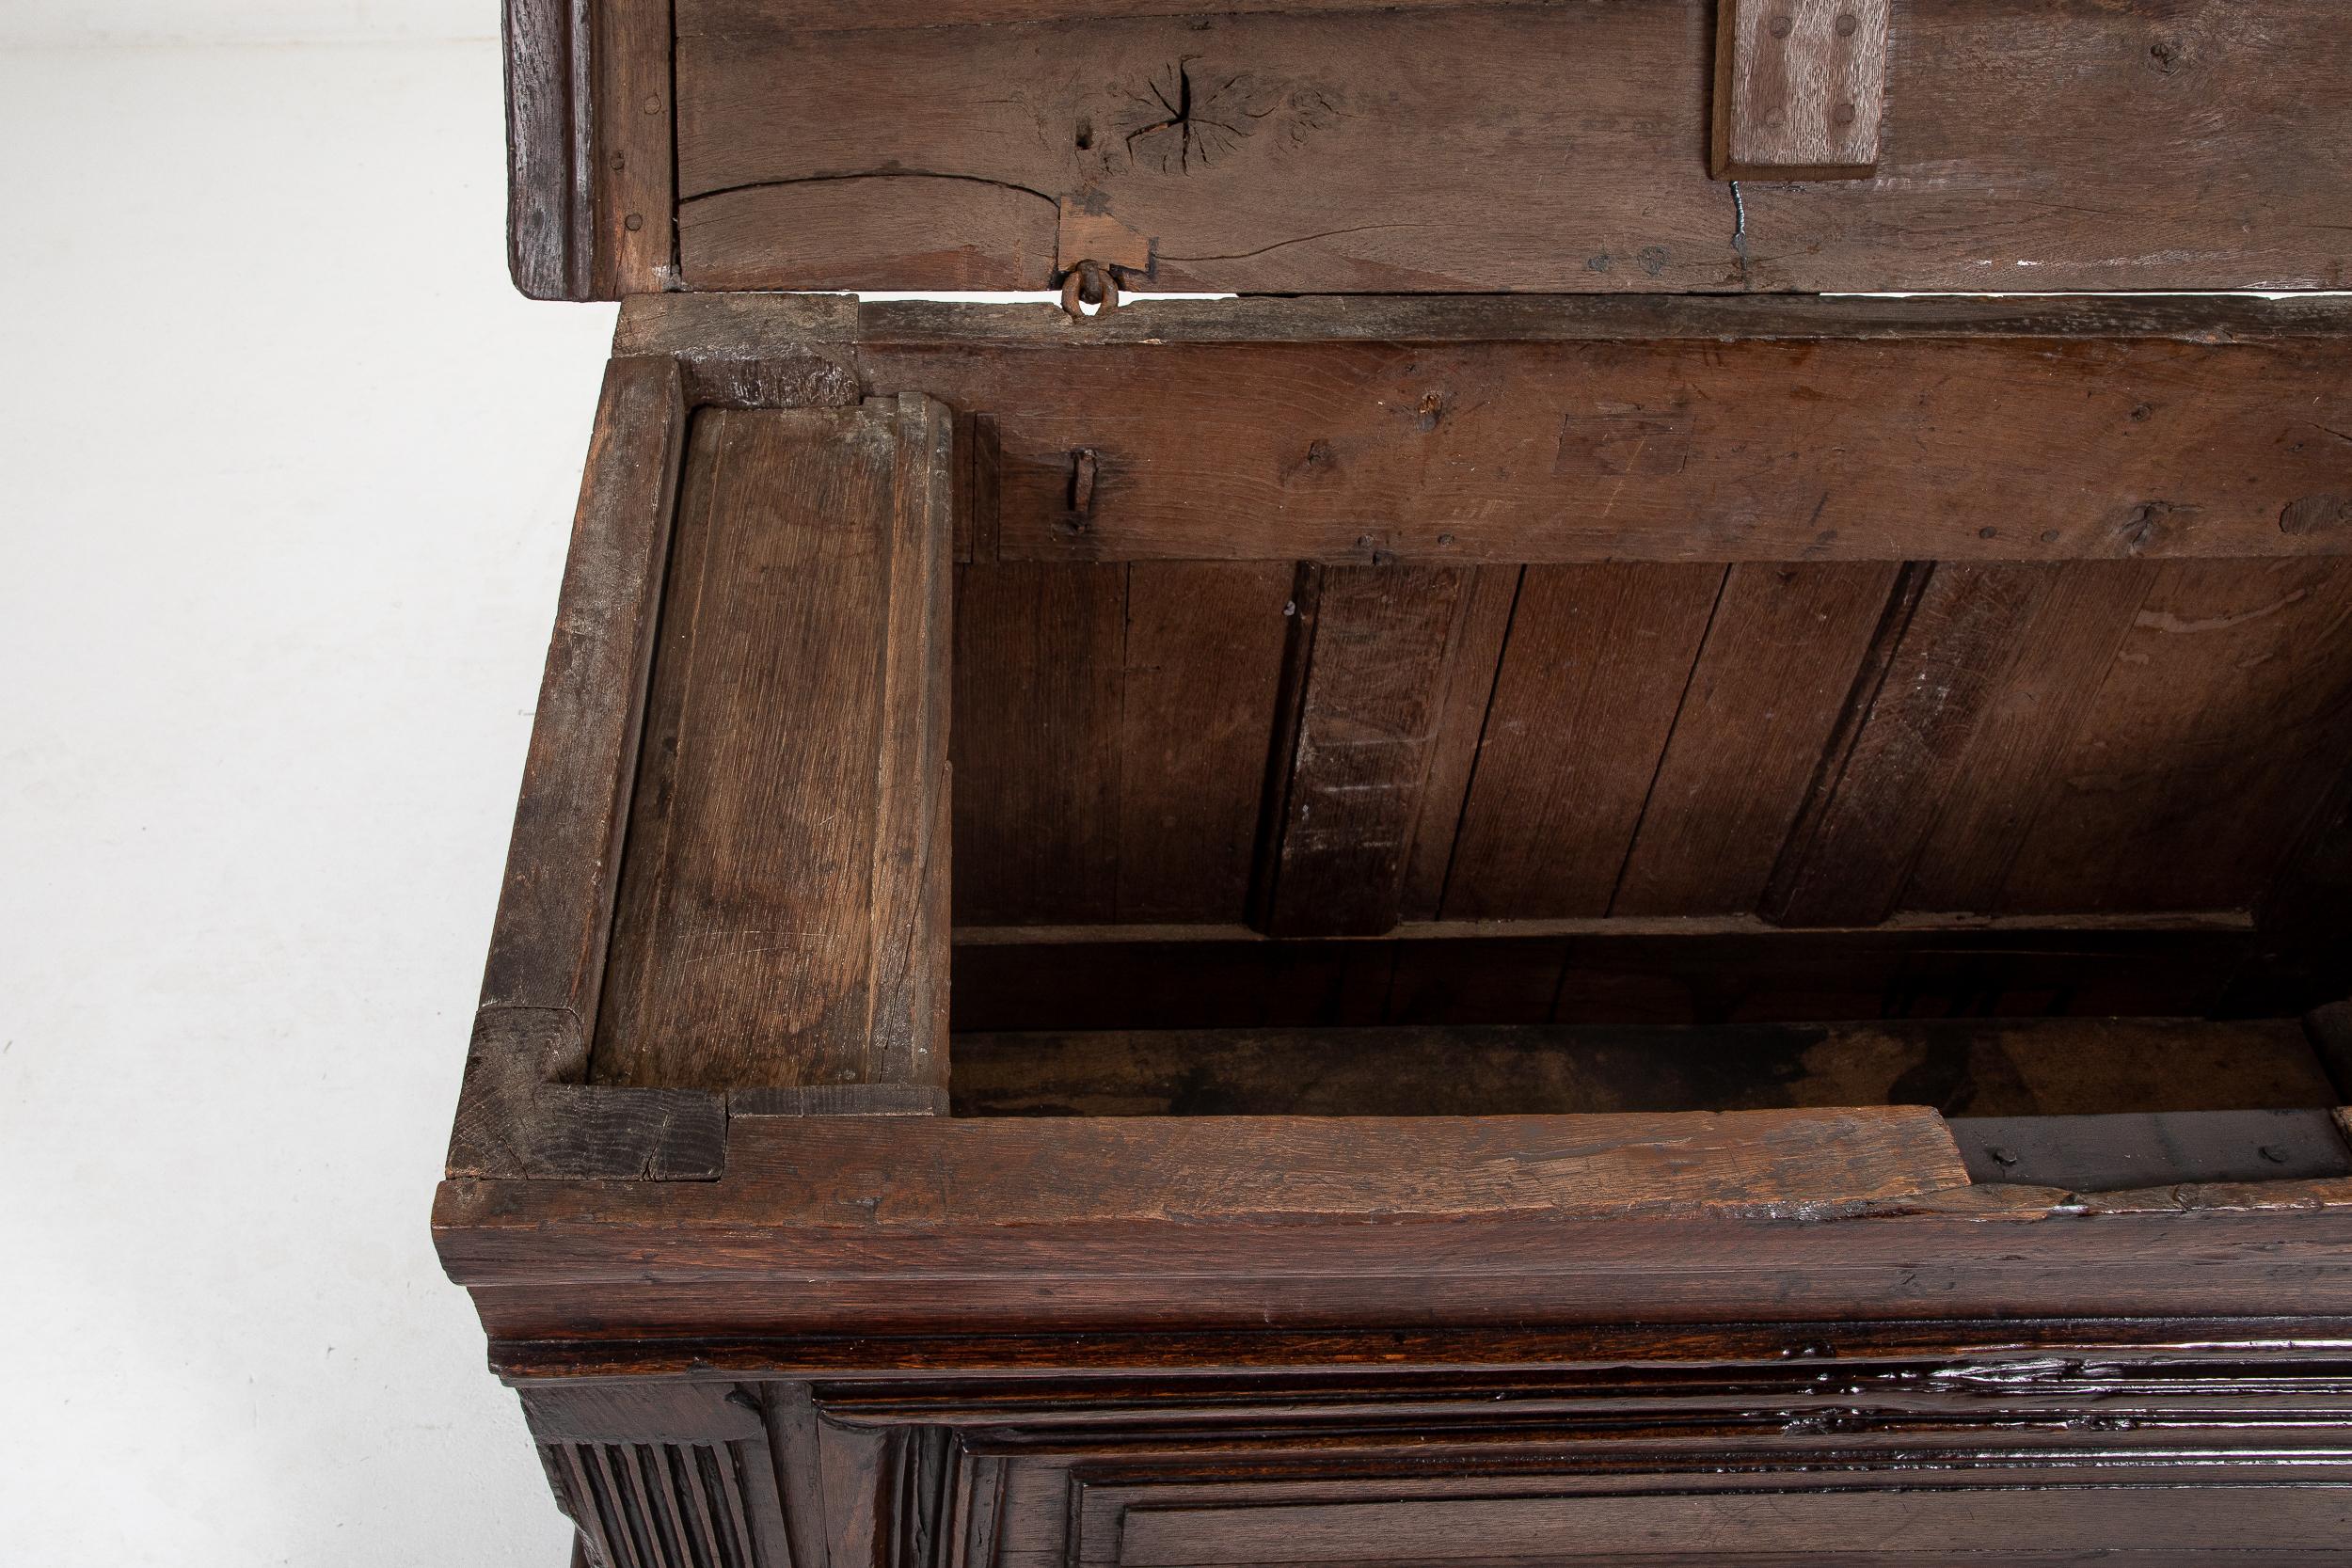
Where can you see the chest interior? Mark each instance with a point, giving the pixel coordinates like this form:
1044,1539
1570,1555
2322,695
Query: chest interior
1571,710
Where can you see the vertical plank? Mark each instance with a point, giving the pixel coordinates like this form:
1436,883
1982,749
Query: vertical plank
907,939
984,502
794,1427
1799,86
1290,701
633,176
1778,665
554,922
1040,658
858,1475
549,236
1203,656
775,925
1368,711
2218,733
1471,671
1880,792
2063,652
1597,662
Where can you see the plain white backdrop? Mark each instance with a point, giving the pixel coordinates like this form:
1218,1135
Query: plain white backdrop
172,21
288,470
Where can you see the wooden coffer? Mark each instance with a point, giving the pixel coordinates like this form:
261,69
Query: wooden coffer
1638,854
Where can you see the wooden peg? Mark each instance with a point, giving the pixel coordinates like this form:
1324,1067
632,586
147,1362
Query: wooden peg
1799,89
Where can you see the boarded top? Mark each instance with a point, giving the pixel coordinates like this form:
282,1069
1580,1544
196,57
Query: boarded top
1319,145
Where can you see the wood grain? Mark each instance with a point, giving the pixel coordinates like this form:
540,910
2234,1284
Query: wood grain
2217,731
2042,691
1112,726
927,231
1490,598
1302,150
1594,673
694,326
1993,1360
1040,656
1800,86
525,1109
633,190
1558,452
822,1222
525,1113
2016,1253
779,920
1673,1528
1911,718
863,1171
1249,150
1204,651
549,943
1372,681
2092,737
1778,664
549,232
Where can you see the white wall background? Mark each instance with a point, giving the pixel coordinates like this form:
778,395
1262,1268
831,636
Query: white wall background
169,21
286,470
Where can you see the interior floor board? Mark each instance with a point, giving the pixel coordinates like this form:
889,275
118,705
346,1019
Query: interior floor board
1977,1068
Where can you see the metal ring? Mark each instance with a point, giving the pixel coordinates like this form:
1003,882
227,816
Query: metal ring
1089,283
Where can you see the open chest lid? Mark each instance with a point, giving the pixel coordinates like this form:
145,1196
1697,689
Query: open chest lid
1326,146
